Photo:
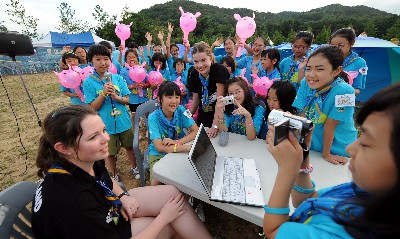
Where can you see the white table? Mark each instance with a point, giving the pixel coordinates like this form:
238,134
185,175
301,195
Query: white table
175,169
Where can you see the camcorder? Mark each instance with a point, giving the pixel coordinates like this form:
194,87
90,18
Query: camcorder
228,100
283,122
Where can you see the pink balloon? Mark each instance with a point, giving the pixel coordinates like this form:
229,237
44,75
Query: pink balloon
352,75
69,78
245,28
113,68
123,31
85,72
180,84
137,73
188,105
261,85
155,77
188,23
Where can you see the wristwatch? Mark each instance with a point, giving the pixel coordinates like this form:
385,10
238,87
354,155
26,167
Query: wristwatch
215,126
123,194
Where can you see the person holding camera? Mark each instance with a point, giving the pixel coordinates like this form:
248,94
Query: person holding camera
237,112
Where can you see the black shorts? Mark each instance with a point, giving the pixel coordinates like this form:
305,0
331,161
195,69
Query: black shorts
133,107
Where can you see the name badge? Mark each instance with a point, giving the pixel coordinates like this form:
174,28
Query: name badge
363,70
345,100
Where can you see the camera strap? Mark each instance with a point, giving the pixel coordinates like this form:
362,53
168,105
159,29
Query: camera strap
306,150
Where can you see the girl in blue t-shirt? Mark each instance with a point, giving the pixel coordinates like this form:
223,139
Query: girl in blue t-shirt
158,61
353,64
69,58
328,101
364,208
180,71
166,126
244,116
81,53
254,61
135,97
289,67
230,65
270,66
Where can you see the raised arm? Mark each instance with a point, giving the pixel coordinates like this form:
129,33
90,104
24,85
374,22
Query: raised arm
168,43
160,36
149,38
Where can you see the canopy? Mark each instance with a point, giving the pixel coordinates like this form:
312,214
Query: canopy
58,40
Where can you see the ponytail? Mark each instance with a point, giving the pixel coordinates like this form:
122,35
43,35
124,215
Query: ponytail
46,156
344,76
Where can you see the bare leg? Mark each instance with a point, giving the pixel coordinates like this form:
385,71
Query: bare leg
131,156
187,226
111,163
139,224
154,182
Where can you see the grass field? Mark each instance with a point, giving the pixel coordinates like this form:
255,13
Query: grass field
20,135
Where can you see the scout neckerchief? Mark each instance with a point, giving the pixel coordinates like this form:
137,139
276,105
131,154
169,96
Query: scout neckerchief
320,96
204,99
114,112
293,67
169,124
331,204
112,199
352,57
238,124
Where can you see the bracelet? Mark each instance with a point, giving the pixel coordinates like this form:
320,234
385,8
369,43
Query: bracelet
304,190
221,121
177,141
250,123
277,211
102,92
175,148
307,169
124,193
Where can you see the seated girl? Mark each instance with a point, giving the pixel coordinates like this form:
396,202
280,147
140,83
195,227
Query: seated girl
364,208
166,126
244,116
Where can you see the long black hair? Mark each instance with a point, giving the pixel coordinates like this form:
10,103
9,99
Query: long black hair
286,93
248,102
380,219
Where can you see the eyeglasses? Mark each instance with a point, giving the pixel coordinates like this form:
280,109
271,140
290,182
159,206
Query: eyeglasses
300,48
236,92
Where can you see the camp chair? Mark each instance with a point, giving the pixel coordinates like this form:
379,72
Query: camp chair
15,217
142,111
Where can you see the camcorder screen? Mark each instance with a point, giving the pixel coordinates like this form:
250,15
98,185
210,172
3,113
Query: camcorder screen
281,131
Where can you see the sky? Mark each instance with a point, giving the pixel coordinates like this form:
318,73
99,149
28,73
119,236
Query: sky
48,14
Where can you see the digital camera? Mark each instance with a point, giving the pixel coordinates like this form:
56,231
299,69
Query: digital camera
283,122
228,100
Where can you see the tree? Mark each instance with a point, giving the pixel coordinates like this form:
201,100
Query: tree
2,27
291,35
324,36
68,23
278,38
370,28
394,30
17,15
102,17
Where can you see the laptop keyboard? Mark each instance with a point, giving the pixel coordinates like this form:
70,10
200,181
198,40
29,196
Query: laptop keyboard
233,189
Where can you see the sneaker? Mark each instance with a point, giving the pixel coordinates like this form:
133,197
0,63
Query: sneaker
200,212
135,173
116,178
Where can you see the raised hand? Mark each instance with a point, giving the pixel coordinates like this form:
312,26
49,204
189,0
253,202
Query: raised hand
218,42
149,37
170,27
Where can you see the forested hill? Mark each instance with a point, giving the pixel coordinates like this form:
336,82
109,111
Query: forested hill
215,21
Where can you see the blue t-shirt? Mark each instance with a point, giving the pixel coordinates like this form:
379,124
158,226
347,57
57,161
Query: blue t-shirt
345,132
134,97
74,101
184,78
247,62
84,65
273,75
93,87
219,58
237,123
237,72
159,131
287,69
358,65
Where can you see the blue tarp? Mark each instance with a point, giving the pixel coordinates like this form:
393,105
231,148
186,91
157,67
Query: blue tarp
58,40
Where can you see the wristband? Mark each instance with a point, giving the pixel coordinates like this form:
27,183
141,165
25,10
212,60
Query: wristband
175,148
304,190
124,193
249,123
307,169
277,211
102,92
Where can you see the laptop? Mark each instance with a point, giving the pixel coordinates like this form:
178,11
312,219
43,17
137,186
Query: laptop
225,179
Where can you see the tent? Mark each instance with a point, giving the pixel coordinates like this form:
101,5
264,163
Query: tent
58,40
382,57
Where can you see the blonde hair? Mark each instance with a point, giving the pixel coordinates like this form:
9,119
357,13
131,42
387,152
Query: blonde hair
202,47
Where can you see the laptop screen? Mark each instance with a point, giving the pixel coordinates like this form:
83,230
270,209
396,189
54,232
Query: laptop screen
203,156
